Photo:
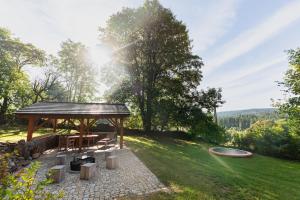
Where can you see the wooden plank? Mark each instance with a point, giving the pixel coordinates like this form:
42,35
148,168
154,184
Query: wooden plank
121,133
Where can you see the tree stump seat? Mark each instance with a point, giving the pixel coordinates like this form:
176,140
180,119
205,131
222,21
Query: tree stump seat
57,173
112,162
87,171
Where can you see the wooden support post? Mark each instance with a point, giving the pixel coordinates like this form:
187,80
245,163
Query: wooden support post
87,126
30,128
54,125
81,130
121,133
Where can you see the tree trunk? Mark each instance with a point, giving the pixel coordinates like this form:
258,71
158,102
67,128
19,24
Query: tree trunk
215,115
148,116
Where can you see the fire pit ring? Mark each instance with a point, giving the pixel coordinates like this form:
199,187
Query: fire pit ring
76,163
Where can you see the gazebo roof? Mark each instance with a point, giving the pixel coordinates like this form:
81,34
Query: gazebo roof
74,109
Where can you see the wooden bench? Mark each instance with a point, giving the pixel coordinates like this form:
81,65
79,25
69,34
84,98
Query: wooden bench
110,138
87,171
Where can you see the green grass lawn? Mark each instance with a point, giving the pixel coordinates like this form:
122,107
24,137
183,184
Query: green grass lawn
193,173
16,133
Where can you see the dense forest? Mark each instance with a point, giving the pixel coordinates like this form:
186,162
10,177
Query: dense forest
243,119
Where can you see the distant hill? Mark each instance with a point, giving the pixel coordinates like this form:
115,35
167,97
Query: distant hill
254,111
243,119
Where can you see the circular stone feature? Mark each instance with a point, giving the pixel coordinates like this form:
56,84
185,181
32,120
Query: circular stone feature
223,151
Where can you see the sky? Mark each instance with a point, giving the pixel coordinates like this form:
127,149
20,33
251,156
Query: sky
242,43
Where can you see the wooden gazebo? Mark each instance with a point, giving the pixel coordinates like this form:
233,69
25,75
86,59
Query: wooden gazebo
86,113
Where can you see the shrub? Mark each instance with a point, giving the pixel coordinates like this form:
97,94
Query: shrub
23,185
208,131
268,138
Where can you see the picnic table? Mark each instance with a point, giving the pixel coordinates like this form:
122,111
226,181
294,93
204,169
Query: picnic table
88,137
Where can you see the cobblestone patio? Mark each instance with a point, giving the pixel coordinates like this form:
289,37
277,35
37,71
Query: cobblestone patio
131,178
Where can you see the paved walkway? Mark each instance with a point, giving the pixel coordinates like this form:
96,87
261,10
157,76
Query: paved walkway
131,178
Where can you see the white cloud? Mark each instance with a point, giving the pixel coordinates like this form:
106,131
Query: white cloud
249,70
212,23
255,36
47,23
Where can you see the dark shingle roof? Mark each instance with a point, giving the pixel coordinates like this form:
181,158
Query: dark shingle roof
63,108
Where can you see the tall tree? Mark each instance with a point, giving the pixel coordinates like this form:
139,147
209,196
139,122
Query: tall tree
77,72
292,83
14,83
49,86
155,53
212,99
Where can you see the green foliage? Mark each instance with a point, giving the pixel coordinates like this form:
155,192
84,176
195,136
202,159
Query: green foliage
49,87
154,68
269,138
244,121
15,90
203,127
292,83
23,185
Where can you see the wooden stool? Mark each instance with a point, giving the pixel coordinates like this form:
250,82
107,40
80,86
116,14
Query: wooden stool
57,173
112,162
61,159
109,153
87,171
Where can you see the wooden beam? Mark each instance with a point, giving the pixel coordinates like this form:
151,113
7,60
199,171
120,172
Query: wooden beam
112,122
40,125
30,128
63,122
121,133
76,127
54,125
81,130
91,123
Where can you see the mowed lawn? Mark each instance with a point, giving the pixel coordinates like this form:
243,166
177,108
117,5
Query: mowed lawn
193,173
16,133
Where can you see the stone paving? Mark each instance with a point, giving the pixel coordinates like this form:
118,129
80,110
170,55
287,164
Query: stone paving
132,177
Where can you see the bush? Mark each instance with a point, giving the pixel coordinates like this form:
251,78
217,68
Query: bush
23,185
268,138
208,131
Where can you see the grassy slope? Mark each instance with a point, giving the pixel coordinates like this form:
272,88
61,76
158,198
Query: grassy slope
193,173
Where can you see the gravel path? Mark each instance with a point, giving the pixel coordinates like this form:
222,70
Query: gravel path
131,178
